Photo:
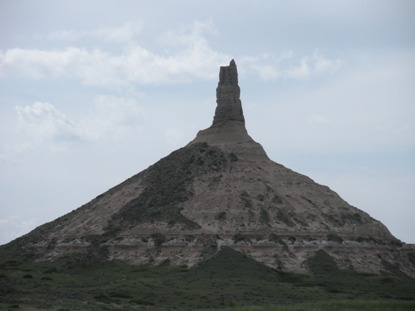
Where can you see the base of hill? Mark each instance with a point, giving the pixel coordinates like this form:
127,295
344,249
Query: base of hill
227,280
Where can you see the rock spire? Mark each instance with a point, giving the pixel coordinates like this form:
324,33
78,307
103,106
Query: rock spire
229,107
220,190
228,127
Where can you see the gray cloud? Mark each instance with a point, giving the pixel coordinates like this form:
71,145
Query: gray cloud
193,58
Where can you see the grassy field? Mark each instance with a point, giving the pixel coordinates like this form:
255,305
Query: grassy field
228,280
343,305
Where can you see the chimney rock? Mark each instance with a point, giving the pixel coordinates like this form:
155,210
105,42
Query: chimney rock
229,107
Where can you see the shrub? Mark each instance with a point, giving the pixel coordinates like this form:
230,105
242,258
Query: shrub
334,238
140,301
221,216
158,239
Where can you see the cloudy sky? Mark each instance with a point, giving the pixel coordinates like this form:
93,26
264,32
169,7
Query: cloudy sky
92,92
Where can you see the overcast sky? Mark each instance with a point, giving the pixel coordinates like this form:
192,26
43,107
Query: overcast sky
92,92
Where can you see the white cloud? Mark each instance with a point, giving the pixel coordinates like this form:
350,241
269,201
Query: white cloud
322,64
135,64
314,65
97,68
94,67
42,121
42,124
187,56
286,65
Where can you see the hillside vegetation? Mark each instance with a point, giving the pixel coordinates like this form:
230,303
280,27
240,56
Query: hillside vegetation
227,280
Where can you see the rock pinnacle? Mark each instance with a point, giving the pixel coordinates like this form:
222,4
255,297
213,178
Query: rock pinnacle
228,127
229,107
220,190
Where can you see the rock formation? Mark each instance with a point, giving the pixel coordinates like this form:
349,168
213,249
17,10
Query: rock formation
221,190
227,96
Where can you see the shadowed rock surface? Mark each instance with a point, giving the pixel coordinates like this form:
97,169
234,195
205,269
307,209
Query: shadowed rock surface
221,190
229,106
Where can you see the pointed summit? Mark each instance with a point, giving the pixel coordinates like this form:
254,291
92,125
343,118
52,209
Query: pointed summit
221,190
228,128
229,107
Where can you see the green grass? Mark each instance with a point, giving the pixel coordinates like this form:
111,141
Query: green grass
228,280
343,305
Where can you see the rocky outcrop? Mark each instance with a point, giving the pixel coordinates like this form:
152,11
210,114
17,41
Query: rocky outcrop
229,107
228,131
222,190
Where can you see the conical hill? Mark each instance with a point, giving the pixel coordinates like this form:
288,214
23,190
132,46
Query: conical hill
220,190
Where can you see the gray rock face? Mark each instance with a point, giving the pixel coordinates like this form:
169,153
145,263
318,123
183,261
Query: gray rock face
222,190
229,107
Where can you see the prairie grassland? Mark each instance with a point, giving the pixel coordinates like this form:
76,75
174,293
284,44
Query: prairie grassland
228,280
